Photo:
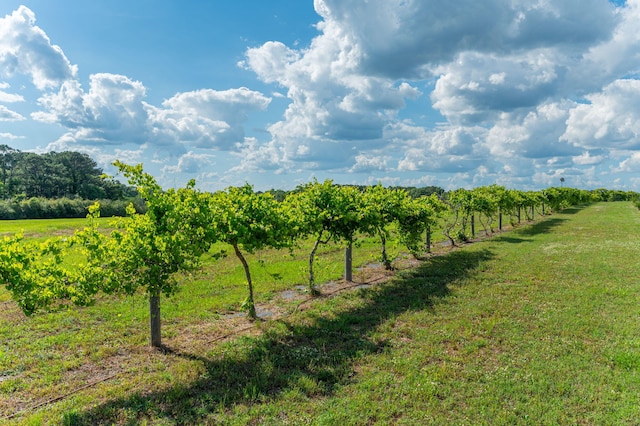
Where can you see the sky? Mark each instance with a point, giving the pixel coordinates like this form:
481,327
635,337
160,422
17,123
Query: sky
275,93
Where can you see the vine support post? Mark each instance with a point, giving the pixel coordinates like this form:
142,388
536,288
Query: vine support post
519,214
473,225
312,280
154,318
428,239
348,262
500,221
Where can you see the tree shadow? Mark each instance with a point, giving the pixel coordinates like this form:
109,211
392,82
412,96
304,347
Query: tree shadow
309,353
541,227
512,240
572,210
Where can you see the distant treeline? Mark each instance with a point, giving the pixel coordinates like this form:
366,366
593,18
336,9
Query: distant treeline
55,175
603,194
57,185
65,184
58,208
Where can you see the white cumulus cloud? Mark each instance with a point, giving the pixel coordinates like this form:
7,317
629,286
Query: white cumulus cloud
207,118
501,64
610,119
190,163
26,49
10,136
8,115
114,112
6,97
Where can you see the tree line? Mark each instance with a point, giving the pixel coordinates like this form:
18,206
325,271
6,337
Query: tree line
56,185
145,251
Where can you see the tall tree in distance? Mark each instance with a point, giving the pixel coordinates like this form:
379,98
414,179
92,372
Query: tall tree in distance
66,174
83,175
8,158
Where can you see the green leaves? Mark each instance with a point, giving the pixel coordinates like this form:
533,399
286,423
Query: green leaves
415,217
39,276
325,212
252,220
383,207
243,218
326,209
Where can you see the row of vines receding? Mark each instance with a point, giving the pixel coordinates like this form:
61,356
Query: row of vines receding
144,252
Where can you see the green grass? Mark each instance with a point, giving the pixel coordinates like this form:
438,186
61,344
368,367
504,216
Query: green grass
36,228
536,326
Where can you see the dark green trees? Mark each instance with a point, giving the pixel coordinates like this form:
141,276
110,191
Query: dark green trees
55,175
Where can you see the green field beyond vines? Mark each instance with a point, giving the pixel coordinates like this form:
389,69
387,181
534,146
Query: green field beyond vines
538,325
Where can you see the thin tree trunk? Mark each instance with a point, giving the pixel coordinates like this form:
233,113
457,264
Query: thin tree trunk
312,255
251,305
154,319
473,226
486,227
448,228
428,242
385,259
348,263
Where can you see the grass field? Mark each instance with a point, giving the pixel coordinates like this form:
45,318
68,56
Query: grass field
535,326
44,228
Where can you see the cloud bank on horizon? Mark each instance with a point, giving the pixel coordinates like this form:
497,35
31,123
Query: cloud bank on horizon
428,92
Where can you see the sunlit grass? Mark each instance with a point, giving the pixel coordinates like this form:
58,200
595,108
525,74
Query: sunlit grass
46,228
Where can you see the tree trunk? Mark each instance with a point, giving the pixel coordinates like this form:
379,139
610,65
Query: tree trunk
385,259
448,228
154,319
251,307
348,263
312,255
428,242
473,226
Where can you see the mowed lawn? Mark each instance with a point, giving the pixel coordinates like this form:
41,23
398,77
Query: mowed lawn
539,325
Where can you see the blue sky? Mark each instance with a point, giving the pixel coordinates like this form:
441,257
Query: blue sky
275,93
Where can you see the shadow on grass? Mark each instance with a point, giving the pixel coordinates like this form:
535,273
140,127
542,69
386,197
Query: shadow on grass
542,227
518,236
512,240
307,354
573,210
